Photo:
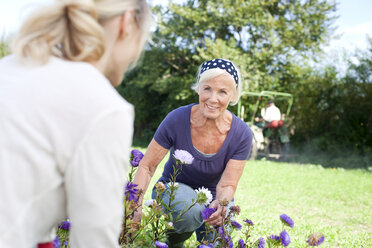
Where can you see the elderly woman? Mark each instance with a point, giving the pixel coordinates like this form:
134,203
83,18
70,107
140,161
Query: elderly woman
217,139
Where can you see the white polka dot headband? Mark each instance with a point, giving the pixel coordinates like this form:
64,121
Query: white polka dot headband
222,64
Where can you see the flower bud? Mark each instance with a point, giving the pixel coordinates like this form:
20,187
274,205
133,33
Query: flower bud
160,186
235,209
315,239
224,202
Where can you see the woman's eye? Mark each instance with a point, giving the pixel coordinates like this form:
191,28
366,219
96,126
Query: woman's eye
223,92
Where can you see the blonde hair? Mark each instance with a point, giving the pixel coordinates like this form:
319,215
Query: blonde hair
71,29
215,72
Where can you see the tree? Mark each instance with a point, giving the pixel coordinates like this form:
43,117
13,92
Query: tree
263,37
334,114
357,101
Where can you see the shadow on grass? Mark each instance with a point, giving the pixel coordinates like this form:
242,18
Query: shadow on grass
338,158
346,162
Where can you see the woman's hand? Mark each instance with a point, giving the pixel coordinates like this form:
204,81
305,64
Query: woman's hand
216,219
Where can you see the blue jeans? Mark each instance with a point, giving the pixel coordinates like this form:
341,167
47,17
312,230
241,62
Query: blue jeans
192,219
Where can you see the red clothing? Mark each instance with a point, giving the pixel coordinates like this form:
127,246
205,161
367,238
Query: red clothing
274,124
46,245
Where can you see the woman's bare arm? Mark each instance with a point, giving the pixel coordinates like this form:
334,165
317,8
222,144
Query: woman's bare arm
226,188
147,166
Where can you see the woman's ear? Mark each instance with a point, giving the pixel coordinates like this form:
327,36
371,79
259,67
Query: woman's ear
127,20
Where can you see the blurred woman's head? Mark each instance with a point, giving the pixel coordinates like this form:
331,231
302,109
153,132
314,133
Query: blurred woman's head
215,68
110,34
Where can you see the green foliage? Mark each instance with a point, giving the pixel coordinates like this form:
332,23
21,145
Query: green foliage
4,47
334,115
357,100
155,89
263,38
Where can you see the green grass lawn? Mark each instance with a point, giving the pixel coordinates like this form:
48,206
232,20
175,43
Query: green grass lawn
336,202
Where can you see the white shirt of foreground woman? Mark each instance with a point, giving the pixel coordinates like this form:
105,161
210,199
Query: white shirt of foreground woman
65,131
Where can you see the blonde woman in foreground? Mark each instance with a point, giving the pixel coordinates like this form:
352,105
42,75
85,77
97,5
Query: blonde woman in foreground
65,131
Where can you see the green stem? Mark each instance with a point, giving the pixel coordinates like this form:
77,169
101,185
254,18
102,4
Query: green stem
193,204
124,231
131,173
141,229
175,174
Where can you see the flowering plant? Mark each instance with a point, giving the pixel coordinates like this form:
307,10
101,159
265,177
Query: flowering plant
157,217
223,235
61,240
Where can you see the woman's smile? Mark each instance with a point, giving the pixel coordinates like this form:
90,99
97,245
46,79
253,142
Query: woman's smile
215,95
211,107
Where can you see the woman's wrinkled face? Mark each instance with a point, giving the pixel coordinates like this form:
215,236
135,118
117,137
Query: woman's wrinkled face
215,95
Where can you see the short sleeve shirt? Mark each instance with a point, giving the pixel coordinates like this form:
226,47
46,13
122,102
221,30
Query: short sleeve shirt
174,133
272,113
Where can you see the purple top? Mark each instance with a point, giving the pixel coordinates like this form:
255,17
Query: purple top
174,133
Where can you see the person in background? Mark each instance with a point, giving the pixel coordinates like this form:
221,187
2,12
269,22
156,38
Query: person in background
218,140
271,117
65,131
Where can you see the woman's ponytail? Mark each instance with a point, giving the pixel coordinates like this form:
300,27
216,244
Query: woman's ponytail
66,29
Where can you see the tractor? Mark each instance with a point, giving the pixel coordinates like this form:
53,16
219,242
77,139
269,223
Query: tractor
270,142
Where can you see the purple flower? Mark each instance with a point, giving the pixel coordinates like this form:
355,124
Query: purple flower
131,192
65,225
65,243
249,222
287,220
135,156
207,212
236,224
220,231
315,239
241,243
262,243
222,234
183,156
284,238
227,239
56,242
206,246
160,244
231,244
274,237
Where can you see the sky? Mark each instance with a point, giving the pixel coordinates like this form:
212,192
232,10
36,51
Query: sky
353,24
